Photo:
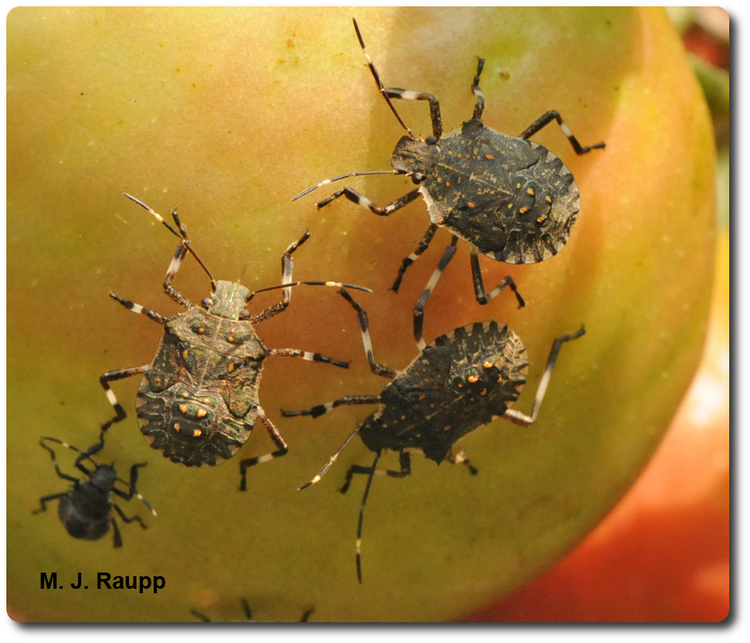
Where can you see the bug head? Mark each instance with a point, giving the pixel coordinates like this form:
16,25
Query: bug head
415,157
228,300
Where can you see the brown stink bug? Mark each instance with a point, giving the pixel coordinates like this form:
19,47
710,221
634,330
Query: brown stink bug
198,400
461,381
509,198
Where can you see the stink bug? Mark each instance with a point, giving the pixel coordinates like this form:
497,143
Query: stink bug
86,509
462,381
509,198
198,400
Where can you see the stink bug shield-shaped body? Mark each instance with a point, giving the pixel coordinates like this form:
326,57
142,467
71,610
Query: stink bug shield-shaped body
462,381
86,509
198,401
509,198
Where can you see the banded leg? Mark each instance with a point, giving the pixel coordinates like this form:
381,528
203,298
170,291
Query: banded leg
372,471
554,116
140,310
179,254
112,376
423,245
524,420
277,440
132,491
460,458
306,355
364,327
419,308
83,455
322,409
356,197
483,298
479,107
287,268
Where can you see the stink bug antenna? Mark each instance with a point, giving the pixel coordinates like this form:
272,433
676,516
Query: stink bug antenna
333,459
332,284
376,76
346,176
182,234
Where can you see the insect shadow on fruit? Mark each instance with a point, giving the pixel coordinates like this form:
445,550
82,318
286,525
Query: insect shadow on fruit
509,198
86,509
198,400
461,381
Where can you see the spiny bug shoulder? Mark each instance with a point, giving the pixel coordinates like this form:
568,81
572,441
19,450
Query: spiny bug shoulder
86,509
198,400
458,383
509,198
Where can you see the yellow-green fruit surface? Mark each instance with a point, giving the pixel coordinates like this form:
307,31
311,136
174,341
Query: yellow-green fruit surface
227,114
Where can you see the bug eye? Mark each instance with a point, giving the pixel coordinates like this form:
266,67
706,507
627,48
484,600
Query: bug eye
431,140
207,302
244,314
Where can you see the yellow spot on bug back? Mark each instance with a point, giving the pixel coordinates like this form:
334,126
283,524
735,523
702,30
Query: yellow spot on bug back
487,364
185,353
230,339
510,206
197,433
202,413
183,408
523,210
230,368
499,378
201,331
473,378
484,392
518,186
185,394
447,428
548,198
470,204
489,157
460,155
541,219
447,184
530,191
176,426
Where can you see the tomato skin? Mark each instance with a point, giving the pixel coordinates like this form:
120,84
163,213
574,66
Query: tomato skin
662,555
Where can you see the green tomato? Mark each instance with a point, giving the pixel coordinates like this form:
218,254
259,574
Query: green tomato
228,113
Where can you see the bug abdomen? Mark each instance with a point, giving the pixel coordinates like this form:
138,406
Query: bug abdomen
86,513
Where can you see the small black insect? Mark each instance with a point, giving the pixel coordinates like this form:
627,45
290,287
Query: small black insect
507,197
462,381
198,400
86,509
249,614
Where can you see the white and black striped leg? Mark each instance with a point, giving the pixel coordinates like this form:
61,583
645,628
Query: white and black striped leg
525,420
356,197
481,296
479,107
112,376
435,117
419,308
132,491
83,455
554,116
371,472
364,327
423,245
460,458
179,255
277,440
140,310
287,269
322,409
306,355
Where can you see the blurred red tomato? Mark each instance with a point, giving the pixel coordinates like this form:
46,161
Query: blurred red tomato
662,555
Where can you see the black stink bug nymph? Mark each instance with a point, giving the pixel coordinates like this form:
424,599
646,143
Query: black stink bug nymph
509,198
86,509
198,400
461,381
